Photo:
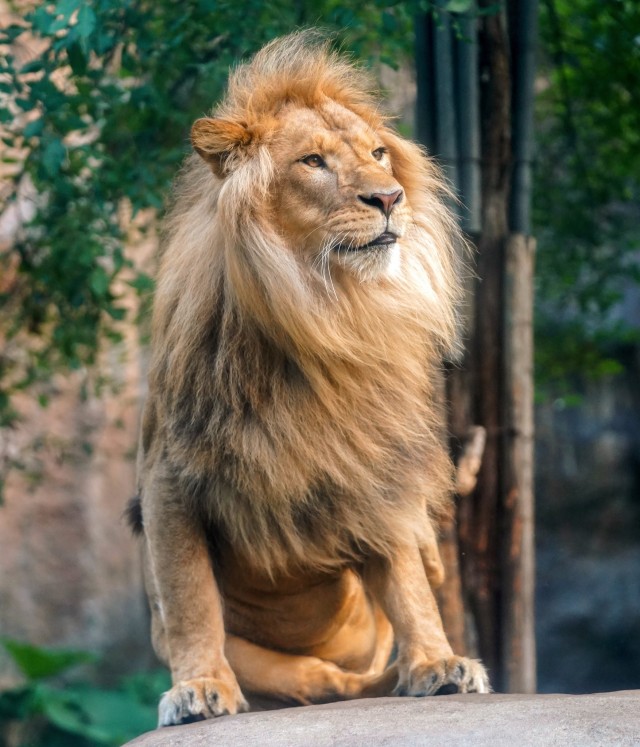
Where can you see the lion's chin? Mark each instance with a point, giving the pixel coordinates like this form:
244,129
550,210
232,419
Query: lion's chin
371,262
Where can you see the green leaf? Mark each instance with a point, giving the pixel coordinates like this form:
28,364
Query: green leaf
77,59
18,703
99,282
144,687
389,23
25,104
142,283
33,66
610,367
53,156
67,713
115,712
42,20
36,663
116,312
9,34
86,21
65,8
34,127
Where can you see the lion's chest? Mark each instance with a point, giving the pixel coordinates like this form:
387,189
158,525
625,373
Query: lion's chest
296,474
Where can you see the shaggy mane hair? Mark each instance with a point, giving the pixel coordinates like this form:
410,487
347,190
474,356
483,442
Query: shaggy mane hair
301,421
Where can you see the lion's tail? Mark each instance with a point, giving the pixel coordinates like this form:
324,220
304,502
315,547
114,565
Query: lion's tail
133,514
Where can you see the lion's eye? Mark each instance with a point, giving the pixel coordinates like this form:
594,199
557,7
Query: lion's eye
314,160
378,153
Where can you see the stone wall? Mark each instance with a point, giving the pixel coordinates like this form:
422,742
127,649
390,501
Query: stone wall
69,569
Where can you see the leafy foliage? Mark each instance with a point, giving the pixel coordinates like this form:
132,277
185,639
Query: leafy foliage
587,184
46,713
36,663
98,122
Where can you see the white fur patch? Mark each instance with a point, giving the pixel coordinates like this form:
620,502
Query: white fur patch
394,264
368,265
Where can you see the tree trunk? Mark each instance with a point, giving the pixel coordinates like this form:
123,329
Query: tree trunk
487,604
479,515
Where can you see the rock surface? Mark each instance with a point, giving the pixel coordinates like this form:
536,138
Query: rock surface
453,720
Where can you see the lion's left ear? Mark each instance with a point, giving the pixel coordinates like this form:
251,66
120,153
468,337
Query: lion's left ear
215,140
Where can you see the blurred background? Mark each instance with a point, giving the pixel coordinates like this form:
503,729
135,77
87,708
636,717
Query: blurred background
96,101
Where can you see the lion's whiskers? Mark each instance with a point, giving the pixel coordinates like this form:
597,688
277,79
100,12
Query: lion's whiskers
325,264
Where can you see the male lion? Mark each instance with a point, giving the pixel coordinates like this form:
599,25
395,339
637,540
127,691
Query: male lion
291,451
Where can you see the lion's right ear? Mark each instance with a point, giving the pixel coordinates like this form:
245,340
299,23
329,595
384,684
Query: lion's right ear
215,140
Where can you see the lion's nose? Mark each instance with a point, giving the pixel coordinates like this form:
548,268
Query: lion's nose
383,201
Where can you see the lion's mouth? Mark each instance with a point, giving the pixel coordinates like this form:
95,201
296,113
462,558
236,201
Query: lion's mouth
380,242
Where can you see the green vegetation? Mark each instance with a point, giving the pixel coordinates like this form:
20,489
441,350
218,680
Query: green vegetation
587,185
98,122
47,712
100,118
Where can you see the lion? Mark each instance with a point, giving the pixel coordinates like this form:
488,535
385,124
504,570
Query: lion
291,464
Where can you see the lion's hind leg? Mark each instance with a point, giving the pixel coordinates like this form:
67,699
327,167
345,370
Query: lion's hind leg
300,679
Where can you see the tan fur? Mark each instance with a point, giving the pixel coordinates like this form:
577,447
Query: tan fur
291,455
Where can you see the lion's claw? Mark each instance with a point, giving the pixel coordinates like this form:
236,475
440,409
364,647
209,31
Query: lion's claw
444,677
198,699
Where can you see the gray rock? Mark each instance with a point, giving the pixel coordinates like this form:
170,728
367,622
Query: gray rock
453,720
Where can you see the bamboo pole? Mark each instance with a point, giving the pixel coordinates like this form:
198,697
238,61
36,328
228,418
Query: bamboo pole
446,125
425,102
468,115
523,31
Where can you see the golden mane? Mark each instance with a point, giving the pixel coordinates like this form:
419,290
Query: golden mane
286,406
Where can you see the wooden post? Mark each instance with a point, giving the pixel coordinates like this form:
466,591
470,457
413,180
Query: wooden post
518,572
468,114
446,125
518,653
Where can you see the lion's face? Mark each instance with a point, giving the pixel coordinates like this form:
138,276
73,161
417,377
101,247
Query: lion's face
335,198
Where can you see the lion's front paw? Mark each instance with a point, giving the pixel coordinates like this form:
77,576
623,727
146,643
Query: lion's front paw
197,699
455,674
